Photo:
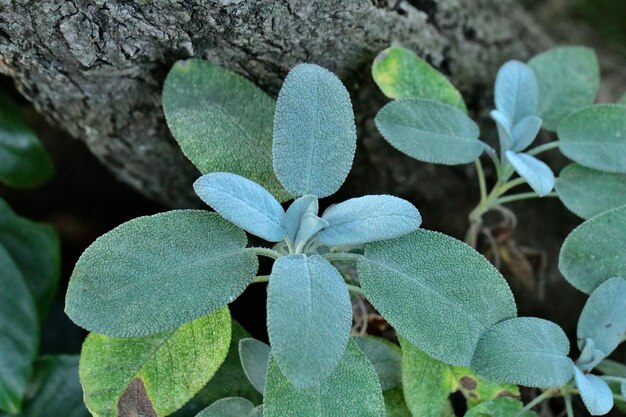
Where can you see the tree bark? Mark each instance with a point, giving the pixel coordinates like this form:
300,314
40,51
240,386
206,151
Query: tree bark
96,67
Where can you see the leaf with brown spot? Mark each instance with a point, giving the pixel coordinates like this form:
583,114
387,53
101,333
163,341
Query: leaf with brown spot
134,402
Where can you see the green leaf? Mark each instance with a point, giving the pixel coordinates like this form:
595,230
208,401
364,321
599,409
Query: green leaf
254,356
172,366
500,407
516,92
437,292
229,380
595,137
386,359
430,131
309,316
603,318
23,160
427,382
394,403
568,78
594,251
19,334
352,390
314,132
229,407
536,172
524,351
221,121
595,393
587,192
55,389
477,389
35,249
154,273
399,73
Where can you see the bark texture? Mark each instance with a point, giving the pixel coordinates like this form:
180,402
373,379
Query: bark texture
95,68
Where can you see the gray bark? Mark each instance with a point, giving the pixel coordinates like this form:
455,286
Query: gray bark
95,68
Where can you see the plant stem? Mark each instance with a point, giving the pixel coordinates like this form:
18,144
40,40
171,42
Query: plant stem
568,406
267,252
537,400
355,290
481,179
260,279
522,196
542,148
342,256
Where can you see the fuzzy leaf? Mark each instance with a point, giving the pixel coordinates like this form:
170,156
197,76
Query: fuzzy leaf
430,131
500,407
311,290
594,251
536,173
427,382
310,225
368,219
524,351
307,204
505,136
244,203
595,393
568,79
595,137
587,192
437,292
477,389
154,273
314,132
603,318
525,132
386,359
352,390
395,405
35,249
55,389
23,160
516,91
229,407
399,73
222,122
19,334
254,356
172,366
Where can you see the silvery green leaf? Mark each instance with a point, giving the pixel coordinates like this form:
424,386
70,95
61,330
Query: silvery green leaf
314,132
505,136
587,192
500,407
254,356
19,334
309,226
222,121
603,318
386,359
154,273
525,132
368,219
524,351
295,212
594,251
309,316
595,137
589,355
229,407
437,292
595,393
536,173
516,91
430,131
352,390
244,203
568,79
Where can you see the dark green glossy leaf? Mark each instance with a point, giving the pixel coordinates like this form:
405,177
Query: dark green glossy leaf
23,161
154,273
222,122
